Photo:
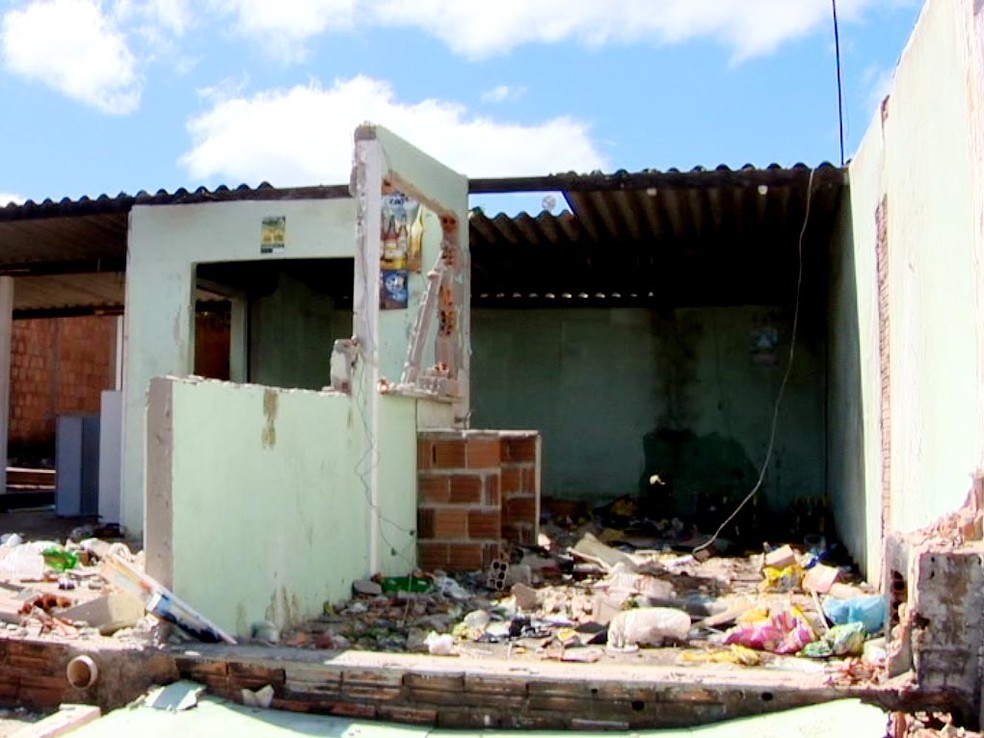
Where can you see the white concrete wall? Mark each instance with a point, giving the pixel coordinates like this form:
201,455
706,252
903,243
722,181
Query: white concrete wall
257,507
924,156
165,244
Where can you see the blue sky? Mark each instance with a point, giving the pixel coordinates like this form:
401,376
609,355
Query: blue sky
123,95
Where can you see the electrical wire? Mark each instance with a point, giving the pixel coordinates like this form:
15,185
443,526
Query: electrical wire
840,82
785,377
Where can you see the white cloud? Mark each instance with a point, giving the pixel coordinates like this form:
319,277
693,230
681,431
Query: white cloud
478,29
303,136
748,27
74,47
8,197
503,93
282,27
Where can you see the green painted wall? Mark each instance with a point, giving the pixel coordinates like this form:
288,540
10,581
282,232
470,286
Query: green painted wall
164,245
597,381
853,479
266,494
923,153
291,333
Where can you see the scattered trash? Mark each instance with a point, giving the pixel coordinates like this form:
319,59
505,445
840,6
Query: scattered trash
181,695
869,610
841,640
782,631
439,644
261,698
648,626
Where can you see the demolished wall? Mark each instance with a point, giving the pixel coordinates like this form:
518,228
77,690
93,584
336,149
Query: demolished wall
918,254
256,500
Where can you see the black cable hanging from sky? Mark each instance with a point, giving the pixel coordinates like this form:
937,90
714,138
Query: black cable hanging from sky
840,90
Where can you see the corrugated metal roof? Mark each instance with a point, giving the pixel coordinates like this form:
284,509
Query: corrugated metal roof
650,237
716,236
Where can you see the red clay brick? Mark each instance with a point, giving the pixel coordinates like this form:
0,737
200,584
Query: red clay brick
466,488
425,523
492,496
530,480
512,481
432,555
432,488
450,524
425,454
465,556
352,709
520,449
484,524
449,454
483,453
519,509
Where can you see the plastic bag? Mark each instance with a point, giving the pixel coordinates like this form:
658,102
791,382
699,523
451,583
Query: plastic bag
869,610
781,580
647,626
841,640
783,631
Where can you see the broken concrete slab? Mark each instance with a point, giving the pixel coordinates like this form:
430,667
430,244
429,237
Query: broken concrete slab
108,613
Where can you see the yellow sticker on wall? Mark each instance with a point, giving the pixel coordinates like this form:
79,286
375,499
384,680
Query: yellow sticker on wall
273,234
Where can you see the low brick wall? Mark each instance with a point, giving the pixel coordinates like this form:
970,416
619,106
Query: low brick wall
460,693
33,672
477,490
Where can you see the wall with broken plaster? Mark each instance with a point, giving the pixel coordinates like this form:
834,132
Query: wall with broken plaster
922,154
164,244
625,393
267,510
396,326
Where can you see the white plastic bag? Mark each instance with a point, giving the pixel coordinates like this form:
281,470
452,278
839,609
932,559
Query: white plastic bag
647,626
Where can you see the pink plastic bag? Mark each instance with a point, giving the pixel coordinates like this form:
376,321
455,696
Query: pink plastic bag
784,631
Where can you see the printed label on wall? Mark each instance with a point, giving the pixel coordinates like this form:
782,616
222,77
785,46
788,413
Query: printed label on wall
393,293
273,233
402,232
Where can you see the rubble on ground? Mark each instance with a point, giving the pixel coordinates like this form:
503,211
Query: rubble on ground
590,591
76,589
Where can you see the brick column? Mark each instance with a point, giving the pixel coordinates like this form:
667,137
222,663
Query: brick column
461,521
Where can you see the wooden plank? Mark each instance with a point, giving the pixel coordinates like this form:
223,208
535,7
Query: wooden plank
67,719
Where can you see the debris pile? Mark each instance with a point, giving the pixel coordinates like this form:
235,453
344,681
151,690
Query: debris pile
589,592
88,587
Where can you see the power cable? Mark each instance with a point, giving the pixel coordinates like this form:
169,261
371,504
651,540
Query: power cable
840,84
785,377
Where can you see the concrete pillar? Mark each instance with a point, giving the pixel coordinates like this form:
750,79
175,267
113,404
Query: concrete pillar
6,330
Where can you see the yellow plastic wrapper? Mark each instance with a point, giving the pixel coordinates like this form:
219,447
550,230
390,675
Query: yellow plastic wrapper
781,580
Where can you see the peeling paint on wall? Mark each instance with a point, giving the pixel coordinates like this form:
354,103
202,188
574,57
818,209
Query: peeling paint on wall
269,434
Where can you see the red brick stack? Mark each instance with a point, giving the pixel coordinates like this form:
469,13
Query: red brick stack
476,490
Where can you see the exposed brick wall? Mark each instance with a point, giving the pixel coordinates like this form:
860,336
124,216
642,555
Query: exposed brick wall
33,672
57,365
476,490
